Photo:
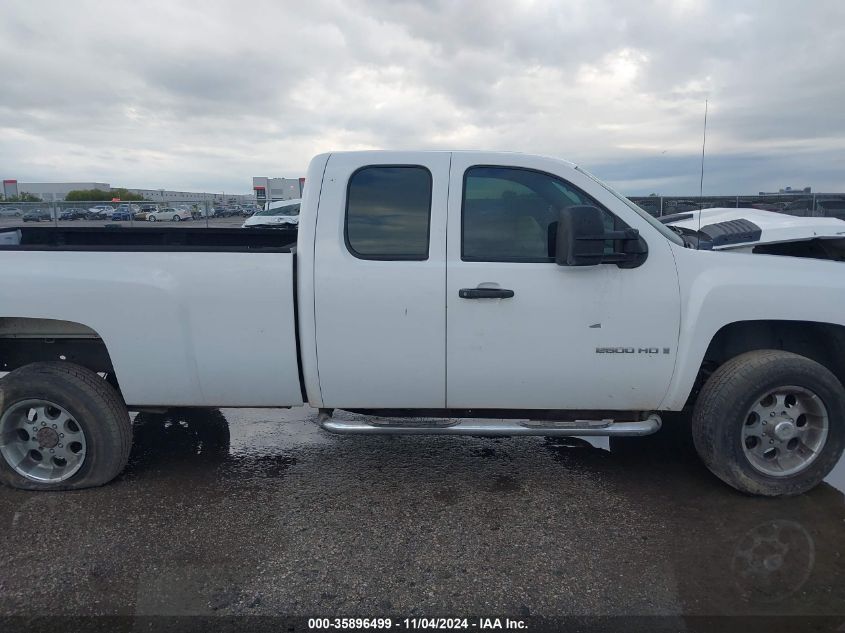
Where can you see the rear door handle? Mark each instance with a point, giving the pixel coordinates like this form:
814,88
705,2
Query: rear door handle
485,293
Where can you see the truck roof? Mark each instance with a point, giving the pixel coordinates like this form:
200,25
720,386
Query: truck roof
484,155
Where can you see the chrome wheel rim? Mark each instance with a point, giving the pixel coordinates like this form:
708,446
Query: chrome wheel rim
785,431
42,441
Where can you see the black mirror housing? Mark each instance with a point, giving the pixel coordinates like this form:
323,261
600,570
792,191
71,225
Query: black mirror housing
580,236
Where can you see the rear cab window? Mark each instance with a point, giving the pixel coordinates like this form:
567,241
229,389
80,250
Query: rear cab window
388,212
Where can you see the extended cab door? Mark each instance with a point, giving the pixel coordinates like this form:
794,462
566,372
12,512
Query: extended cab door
379,280
599,337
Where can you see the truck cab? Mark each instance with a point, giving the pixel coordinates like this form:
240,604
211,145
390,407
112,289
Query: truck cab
449,260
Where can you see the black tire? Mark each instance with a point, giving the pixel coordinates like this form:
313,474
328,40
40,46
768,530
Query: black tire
728,396
176,218
97,408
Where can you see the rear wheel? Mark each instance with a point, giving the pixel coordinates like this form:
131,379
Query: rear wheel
176,218
770,422
62,427
151,218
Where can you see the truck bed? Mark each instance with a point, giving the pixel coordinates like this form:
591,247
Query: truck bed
188,316
147,238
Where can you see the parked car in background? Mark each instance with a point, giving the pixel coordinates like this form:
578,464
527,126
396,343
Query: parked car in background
280,214
10,212
36,215
230,211
169,214
73,214
124,212
144,211
200,210
100,212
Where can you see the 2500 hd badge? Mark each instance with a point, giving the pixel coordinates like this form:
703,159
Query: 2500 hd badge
630,350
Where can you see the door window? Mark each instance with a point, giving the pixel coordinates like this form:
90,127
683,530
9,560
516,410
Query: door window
510,214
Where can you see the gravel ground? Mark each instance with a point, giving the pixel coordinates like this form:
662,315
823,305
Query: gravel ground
259,512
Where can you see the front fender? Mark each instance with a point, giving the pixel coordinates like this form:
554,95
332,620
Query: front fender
720,287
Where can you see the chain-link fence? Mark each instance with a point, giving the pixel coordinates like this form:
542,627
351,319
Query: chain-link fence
131,214
211,214
805,204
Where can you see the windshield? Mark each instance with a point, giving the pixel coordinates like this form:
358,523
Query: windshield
290,209
668,233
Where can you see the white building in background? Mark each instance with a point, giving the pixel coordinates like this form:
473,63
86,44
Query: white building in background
789,190
274,189
56,191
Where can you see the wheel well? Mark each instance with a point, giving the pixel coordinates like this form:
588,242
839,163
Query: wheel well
821,342
24,341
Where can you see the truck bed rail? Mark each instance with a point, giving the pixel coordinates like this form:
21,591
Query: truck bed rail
119,238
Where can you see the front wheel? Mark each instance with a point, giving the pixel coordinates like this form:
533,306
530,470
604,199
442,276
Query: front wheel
176,218
770,423
62,427
151,219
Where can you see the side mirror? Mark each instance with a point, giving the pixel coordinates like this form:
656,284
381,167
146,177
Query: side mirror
580,236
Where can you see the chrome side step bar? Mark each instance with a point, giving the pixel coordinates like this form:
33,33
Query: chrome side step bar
472,426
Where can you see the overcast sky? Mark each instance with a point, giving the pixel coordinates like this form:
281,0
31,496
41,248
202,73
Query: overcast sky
203,95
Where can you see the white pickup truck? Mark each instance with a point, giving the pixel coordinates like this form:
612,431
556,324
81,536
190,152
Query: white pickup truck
437,292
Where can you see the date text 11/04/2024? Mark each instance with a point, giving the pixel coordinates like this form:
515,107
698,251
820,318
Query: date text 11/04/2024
416,623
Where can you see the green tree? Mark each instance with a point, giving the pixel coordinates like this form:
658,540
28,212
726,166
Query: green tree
123,194
99,195
22,197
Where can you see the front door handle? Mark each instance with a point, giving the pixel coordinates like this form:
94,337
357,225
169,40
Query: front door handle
484,293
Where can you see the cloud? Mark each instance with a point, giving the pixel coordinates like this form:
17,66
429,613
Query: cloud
199,95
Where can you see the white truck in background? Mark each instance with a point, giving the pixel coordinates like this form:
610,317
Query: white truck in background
441,292
767,232
284,213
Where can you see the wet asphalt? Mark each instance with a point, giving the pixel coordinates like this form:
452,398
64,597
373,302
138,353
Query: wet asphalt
259,512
